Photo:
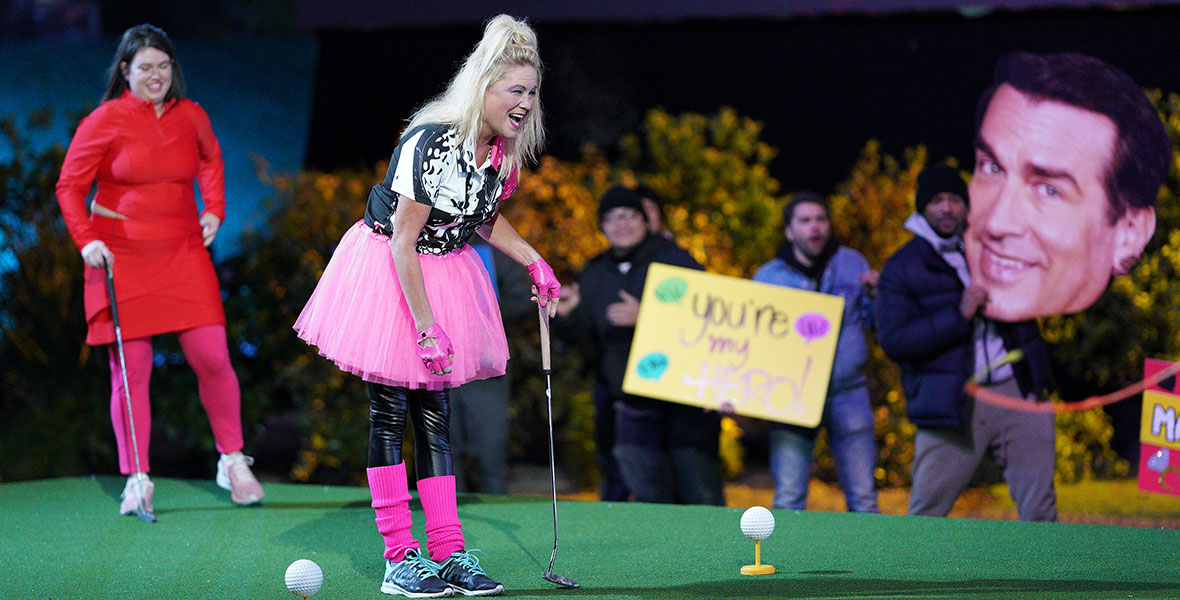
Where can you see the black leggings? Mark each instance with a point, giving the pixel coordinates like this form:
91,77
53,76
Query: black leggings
429,412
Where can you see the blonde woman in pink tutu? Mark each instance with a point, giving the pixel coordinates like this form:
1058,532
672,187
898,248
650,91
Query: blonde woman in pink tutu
405,304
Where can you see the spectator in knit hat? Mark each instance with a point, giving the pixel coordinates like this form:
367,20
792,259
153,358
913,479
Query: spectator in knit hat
929,320
665,452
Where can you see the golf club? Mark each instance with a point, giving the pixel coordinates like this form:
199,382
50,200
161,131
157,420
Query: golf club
141,510
549,575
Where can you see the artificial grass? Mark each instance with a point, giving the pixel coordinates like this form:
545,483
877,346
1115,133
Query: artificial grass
63,539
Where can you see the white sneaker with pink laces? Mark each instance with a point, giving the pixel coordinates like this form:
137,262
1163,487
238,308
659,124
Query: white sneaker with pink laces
233,474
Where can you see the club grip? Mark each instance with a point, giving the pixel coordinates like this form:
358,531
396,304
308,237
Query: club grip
111,293
543,315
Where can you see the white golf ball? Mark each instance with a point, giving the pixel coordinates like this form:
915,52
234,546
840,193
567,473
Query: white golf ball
304,577
757,523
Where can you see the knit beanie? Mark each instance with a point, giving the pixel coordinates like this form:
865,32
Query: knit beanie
620,196
935,180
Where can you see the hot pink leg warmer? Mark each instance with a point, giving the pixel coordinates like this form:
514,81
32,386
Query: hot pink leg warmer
444,532
391,501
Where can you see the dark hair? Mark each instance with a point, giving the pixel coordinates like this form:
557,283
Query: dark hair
803,198
1141,153
135,39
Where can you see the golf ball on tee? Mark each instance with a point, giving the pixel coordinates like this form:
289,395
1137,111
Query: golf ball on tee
757,523
304,577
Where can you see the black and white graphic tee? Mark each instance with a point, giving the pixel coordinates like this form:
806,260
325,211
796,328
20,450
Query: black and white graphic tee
432,166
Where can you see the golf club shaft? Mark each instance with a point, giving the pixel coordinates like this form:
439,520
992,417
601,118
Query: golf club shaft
552,468
126,385
543,315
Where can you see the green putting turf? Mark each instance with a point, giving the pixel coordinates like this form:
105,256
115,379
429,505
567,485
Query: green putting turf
62,538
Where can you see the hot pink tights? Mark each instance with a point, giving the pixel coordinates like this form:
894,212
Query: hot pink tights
207,353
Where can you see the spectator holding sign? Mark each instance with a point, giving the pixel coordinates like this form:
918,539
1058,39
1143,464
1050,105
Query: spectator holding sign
811,259
666,452
929,321
1069,158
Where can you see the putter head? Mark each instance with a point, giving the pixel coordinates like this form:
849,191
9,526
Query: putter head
144,515
564,582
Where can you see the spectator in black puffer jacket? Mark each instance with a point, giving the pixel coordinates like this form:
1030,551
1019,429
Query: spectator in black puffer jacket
928,321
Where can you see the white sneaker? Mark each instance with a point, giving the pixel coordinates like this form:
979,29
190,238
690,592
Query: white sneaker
130,495
233,474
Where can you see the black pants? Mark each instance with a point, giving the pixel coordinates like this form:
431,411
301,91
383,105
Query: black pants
429,412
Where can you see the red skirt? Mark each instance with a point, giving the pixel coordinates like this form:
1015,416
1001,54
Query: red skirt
162,286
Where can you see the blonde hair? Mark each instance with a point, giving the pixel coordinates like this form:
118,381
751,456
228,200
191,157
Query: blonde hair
506,42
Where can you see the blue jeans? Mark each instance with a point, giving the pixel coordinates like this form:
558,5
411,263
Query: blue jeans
849,419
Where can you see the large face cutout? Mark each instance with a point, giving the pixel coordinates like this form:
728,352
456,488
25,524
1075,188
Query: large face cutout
1039,236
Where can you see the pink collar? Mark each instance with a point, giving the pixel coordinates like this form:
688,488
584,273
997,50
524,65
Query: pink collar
496,153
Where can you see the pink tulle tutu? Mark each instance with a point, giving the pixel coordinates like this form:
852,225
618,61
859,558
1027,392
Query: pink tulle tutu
359,319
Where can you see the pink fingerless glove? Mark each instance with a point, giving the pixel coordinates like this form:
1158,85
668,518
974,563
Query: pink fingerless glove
436,358
545,283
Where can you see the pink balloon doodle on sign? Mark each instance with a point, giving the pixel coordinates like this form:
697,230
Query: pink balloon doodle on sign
812,326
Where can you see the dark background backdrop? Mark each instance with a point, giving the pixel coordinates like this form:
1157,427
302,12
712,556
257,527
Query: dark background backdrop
824,76
822,86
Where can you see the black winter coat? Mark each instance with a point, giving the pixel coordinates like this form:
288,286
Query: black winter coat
919,326
600,283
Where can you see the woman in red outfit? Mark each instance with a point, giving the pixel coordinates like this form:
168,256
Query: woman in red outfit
144,145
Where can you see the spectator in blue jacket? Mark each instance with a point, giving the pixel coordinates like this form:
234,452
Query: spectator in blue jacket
811,259
929,320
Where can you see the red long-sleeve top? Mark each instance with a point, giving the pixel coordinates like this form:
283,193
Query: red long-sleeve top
145,166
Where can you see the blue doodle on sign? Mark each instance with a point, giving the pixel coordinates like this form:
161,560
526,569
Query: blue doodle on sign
652,366
1159,461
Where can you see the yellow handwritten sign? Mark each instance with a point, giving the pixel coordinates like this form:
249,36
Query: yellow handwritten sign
709,340
1160,425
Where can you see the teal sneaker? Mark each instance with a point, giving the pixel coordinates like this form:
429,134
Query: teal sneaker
415,576
461,571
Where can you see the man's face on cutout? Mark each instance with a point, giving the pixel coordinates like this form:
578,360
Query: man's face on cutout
1039,237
